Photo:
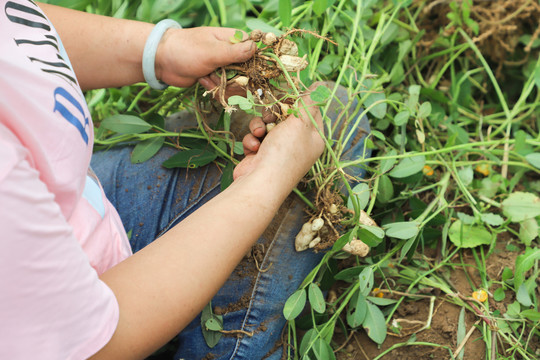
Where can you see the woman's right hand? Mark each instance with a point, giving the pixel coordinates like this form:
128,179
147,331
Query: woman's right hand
292,147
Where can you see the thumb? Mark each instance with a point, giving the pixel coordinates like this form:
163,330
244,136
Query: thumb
235,53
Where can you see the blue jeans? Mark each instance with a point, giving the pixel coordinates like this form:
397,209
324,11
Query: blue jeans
151,199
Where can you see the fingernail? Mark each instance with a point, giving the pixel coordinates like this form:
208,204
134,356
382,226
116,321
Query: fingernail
248,46
204,81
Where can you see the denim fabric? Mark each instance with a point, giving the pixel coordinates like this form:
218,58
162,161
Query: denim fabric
151,199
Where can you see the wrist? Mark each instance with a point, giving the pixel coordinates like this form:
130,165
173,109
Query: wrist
152,55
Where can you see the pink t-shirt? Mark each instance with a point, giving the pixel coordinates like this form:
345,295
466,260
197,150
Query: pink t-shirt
58,231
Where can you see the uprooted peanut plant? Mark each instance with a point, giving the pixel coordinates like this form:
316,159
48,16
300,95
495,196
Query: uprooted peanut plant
452,92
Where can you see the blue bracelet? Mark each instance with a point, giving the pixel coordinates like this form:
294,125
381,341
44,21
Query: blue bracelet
150,49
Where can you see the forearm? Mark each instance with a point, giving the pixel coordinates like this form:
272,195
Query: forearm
164,286
104,51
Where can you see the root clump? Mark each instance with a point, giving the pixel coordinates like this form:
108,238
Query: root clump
263,75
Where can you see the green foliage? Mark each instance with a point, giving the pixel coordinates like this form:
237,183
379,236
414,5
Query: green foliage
125,124
294,304
190,158
211,326
455,154
146,149
467,236
316,298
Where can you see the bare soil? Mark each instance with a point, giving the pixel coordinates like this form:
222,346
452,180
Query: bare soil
412,315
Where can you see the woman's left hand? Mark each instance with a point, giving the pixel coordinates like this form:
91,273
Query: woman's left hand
187,55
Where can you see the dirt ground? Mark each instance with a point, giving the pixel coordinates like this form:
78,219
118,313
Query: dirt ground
412,315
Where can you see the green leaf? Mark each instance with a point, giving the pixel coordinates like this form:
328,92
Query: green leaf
379,135
210,337
461,135
522,296
425,110
387,164
322,350
361,193
328,331
466,219
533,159
242,102
378,110
499,294
285,12
366,281
519,206
507,274
238,148
414,93
461,331
402,230
190,158
227,177
375,324
528,231
316,298
469,236
407,247
320,6
294,304
386,189
408,166
390,34
375,230
308,338
531,314
489,188
349,274
357,313
368,236
329,64
524,263
466,175
338,245
238,36
320,94
381,301
125,124
253,24
492,219
214,324
513,309
401,117
146,149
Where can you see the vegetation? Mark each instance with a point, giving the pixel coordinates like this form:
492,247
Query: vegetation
452,91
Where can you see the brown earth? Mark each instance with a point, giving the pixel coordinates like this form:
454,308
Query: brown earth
412,315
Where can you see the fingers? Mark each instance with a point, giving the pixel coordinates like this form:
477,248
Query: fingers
257,127
207,83
226,52
251,144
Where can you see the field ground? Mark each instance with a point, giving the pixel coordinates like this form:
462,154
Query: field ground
451,89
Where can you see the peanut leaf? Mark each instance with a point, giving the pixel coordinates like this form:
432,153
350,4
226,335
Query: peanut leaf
469,236
294,304
408,166
519,206
190,158
146,149
125,124
316,298
375,323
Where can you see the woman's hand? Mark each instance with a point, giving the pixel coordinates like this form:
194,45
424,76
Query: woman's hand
292,146
186,55
107,52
